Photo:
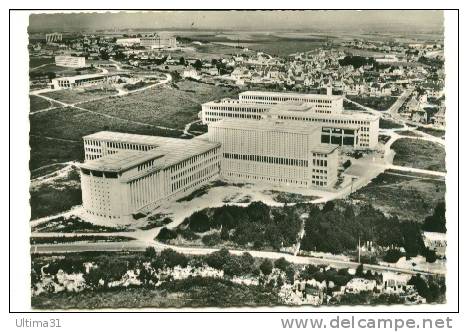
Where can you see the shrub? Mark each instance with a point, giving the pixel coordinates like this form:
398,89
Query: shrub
199,222
392,256
211,239
172,258
218,258
266,267
166,234
282,264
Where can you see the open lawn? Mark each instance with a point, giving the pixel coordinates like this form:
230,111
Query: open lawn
39,61
433,132
388,124
37,103
56,135
406,195
78,238
377,103
72,96
171,107
72,225
419,154
56,195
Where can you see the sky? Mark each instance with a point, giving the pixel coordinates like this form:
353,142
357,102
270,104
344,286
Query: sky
379,20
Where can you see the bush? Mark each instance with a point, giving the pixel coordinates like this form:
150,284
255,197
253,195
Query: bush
266,267
166,234
218,258
211,239
436,222
150,252
198,222
171,258
392,256
282,264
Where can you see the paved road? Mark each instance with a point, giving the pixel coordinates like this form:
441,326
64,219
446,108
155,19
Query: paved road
141,245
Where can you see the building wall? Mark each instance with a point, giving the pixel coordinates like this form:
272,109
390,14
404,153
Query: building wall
271,156
113,197
70,61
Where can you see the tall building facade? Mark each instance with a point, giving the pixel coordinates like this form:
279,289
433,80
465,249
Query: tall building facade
358,130
276,152
158,42
124,174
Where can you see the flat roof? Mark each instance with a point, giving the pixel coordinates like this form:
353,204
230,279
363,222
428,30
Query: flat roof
121,161
305,110
236,102
267,125
169,151
324,148
82,77
289,94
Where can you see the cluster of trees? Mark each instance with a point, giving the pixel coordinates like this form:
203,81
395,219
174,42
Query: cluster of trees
338,230
432,289
436,222
356,61
256,225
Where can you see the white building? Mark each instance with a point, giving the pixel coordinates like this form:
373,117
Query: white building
357,129
53,37
80,81
127,41
124,174
70,61
158,42
276,152
322,103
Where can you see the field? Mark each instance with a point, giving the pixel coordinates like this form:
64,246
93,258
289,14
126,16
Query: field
419,154
37,103
72,225
56,135
388,124
433,132
171,107
78,238
406,195
73,96
57,195
409,133
39,61
378,103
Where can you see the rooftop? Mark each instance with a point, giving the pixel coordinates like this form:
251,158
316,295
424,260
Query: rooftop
267,125
304,109
324,148
167,150
82,77
288,94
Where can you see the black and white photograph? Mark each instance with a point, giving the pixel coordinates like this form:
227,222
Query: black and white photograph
239,160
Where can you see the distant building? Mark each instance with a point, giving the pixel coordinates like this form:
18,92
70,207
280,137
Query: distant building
158,42
53,37
127,41
70,61
79,81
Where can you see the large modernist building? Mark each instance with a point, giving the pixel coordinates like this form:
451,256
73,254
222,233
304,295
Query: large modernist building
276,152
288,141
158,42
356,129
70,61
124,173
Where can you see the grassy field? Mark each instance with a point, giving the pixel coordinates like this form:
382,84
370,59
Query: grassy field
406,195
65,128
72,96
78,238
39,61
388,124
409,133
37,103
171,107
378,103
419,154
56,196
72,225
433,132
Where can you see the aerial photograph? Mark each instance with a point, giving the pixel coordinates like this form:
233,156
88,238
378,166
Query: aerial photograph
237,159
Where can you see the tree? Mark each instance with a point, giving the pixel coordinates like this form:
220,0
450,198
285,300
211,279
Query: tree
172,258
218,258
147,276
392,256
329,206
436,222
150,252
282,264
360,270
197,64
199,222
182,61
266,267
166,234
104,55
